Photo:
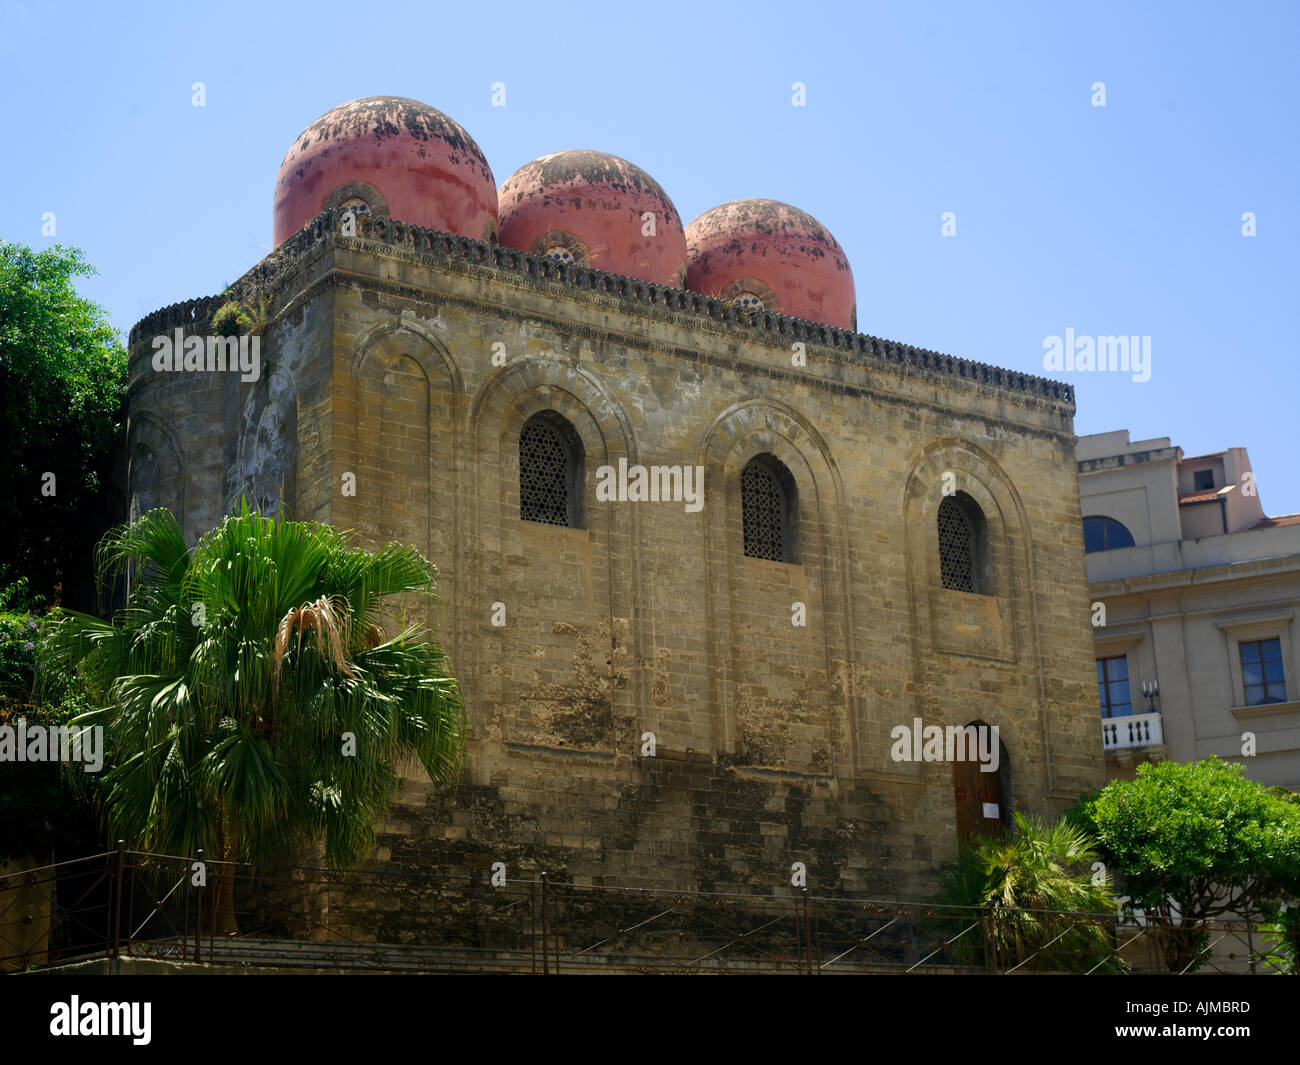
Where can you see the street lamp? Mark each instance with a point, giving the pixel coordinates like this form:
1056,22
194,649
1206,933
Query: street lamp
1150,689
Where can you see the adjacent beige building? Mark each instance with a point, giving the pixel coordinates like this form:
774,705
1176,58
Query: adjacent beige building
1196,591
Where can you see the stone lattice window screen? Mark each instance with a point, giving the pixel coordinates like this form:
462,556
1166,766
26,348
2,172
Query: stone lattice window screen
545,475
956,546
763,511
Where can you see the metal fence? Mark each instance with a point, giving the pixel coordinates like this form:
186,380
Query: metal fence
232,916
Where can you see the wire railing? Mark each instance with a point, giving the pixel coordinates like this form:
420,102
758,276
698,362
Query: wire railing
235,917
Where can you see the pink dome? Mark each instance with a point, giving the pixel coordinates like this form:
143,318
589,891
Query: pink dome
591,208
769,254
396,156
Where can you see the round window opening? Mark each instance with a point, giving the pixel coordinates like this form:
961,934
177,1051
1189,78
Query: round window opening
356,205
559,253
751,301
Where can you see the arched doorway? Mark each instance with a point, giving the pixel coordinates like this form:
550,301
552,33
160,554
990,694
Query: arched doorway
982,800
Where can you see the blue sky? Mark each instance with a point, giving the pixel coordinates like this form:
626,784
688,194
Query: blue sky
1123,219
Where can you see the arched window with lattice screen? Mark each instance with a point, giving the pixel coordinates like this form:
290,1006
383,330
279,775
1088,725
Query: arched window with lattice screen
550,472
769,506
963,545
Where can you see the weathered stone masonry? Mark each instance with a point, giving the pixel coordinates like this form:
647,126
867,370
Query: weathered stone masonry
772,740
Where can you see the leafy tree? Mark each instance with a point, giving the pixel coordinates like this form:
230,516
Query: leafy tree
37,805
1043,909
1192,843
249,698
62,377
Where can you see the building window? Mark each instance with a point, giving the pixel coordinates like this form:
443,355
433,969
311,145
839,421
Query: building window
750,294
560,247
1261,672
769,510
1203,480
1112,687
550,472
356,205
1105,534
963,545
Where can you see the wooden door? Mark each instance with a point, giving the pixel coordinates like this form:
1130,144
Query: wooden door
978,798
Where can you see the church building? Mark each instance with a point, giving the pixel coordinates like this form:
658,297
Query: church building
705,548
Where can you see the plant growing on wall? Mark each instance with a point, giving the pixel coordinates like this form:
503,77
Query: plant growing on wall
232,316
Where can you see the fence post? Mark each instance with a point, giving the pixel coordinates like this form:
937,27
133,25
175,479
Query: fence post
555,926
117,899
546,967
807,930
817,938
198,910
798,936
990,937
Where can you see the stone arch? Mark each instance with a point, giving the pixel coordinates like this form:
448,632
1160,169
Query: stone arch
398,433
968,470
577,640
150,433
532,383
266,464
962,632
408,337
146,484
358,190
819,703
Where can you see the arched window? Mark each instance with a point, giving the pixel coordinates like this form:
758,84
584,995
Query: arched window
561,247
1105,534
963,545
769,507
750,294
550,472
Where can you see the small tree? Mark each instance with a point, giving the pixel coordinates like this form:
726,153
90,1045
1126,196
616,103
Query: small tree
1191,843
1042,906
248,696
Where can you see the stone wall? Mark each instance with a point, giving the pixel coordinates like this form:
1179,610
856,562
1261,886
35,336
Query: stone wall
772,740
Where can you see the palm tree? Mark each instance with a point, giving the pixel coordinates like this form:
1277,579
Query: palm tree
1042,906
249,698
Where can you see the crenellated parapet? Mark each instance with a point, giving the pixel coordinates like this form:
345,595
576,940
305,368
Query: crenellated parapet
452,249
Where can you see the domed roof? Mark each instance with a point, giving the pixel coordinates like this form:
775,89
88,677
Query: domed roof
596,209
769,254
399,157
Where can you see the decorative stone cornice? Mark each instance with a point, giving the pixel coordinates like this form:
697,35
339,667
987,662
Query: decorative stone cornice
447,247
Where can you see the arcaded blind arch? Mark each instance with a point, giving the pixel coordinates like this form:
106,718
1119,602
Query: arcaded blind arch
963,545
769,510
550,471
